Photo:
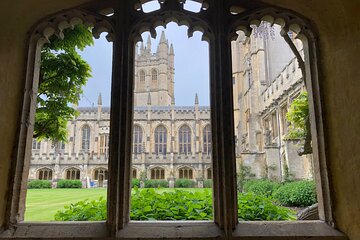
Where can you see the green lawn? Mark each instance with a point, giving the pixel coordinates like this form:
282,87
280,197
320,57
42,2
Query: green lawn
42,204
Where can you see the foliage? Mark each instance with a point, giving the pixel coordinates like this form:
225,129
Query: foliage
156,184
208,183
86,210
69,184
135,182
63,73
39,184
252,207
297,194
175,205
184,183
261,187
243,175
297,115
151,204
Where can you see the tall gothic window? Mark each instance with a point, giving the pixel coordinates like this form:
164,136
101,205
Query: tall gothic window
73,174
160,140
157,173
104,144
44,174
137,139
85,143
154,75
186,173
36,145
142,76
207,140
184,140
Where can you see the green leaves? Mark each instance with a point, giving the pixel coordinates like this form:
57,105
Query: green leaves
39,184
297,114
151,204
63,74
69,184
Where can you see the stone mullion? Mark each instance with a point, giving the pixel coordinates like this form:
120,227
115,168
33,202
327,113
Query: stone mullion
223,122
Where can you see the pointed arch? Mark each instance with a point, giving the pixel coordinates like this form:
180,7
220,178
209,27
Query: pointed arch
185,139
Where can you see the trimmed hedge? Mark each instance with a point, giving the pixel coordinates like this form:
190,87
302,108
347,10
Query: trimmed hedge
148,204
296,194
39,184
69,184
184,183
208,183
261,187
156,184
135,182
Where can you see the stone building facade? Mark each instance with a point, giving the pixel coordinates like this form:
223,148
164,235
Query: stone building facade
172,142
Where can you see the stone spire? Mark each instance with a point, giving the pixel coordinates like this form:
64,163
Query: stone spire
148,44
171,49
162,38
142,48
173,100
99,99
149,99
196,99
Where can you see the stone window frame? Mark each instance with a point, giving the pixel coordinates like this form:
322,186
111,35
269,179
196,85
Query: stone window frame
225,224
184,135
157,173
40,173
72,173
186,173
36,145
160,148
138,134
85,140
207,146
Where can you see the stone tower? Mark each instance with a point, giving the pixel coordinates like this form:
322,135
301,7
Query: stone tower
154,74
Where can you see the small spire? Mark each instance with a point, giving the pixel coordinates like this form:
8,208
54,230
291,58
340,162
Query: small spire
173,100
148,44
149,99
99,99
163,38
171,49
196,99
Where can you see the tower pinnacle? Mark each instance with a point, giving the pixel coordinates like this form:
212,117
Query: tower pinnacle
196,99
99,99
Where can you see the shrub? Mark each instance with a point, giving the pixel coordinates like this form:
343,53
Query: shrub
208,183
149,204
252,207
69,184
296,194
184,183
83,211
156,184
261,187
135,182
39,184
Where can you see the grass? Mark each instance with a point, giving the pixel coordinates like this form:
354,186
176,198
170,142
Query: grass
42,204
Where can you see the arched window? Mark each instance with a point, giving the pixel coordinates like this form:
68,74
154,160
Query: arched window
160,140
207,140
209,173
137,139
134,173
154,75
73,174
186,173
101,174
142,76
85,143
104,144
36,145
157,173
44,174
184,140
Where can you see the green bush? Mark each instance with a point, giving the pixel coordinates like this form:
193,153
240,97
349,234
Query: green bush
296,194
39,184
252,207
83,211
208,183
261,187
135,182
149,204
69,184
156,184
184,183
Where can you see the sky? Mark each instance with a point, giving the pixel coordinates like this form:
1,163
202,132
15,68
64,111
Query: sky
191,67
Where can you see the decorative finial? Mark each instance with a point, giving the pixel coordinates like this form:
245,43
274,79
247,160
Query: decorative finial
163,38
171,49
99,99
149,99
196,99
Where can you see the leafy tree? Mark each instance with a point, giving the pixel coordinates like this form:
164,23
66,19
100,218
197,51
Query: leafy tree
299,118
63,73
